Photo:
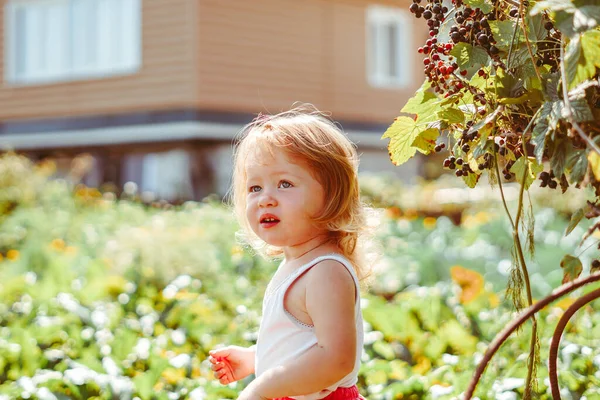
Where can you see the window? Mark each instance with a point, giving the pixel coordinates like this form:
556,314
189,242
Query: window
389,47
55,40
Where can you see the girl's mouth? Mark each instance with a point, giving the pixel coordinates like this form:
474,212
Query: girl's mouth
268,221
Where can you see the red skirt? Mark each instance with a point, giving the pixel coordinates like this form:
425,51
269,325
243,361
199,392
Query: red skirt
341,393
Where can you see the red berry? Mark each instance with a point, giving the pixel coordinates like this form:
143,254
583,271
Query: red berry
426,61
434,40
463,72
428,42
426,49
459,85
450,69
443,70
449,46
420,50
435,57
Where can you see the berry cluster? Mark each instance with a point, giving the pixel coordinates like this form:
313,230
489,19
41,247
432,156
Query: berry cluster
547,180
463,168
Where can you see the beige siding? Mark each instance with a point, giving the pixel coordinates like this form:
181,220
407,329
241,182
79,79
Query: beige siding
167,78
260,55
236,56
268,54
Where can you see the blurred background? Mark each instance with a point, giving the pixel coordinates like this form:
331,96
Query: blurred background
154,91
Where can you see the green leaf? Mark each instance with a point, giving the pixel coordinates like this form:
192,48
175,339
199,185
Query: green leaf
577,163
503,33
572,56
552,5
451,115
527,166
575,218
402,134
425,141
485,5
550,86
581,110
384,349
415,104
508,86
559,157
468,56
471,180
535,28
571,268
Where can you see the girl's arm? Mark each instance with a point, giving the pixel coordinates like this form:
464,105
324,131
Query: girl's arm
330,302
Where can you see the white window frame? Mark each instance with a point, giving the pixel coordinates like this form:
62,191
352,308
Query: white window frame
379,16
129,64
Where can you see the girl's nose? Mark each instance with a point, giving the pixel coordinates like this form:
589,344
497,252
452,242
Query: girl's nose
267,200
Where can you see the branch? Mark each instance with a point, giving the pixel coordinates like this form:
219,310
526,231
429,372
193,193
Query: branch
517,322
568,110
562,324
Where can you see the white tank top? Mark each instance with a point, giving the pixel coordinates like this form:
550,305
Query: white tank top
281,337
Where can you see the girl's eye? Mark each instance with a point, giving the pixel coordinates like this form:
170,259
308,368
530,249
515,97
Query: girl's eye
254,189
285,184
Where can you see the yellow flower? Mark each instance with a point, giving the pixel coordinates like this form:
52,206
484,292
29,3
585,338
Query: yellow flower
57,244
423,365
173,376
71,250
429,222
471,282
13,255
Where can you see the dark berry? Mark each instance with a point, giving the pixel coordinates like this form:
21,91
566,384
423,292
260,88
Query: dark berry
543,184
459,172
549,25
514,12
414,7
544,176
465,148
552,184
446,163
483,38
494,50
459,161
595,264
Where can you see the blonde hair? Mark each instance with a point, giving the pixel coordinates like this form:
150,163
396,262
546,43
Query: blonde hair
308,136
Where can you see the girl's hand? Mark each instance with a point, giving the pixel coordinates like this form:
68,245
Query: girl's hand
232,363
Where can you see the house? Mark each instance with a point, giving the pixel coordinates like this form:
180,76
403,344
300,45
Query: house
155,90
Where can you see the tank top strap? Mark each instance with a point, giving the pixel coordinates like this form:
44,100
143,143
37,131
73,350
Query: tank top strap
332,256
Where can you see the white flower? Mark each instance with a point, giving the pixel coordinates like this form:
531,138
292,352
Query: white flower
45,394
178,337
123,298
372,337
99,318
110,366
197,394
181,361
182,281
508,384
170,291
439,391
46,375
142,348
449,359
30,278
26,384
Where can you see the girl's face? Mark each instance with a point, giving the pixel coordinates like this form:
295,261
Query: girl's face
282,195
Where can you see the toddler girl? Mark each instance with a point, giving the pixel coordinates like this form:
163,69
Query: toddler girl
296,195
